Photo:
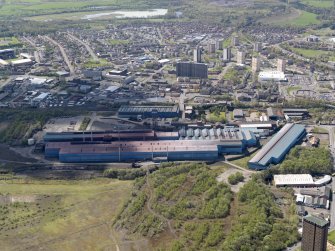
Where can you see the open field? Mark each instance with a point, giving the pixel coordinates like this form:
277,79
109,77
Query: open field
309,53
60,215
319,3
39,7
304,19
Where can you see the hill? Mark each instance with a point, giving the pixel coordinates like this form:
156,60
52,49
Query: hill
184,207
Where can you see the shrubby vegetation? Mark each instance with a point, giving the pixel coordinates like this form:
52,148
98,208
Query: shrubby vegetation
259,224
189,196
307,160
235,178
24,123
127,174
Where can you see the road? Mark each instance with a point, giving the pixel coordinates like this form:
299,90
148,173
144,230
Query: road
331,130
88,48
62,51
36,53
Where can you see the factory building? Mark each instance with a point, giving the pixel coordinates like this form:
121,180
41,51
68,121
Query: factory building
192,70
7,54
276,149
146,145
148,111
295,113
108,136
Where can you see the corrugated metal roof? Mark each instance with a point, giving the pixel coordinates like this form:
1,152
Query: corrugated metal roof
278,144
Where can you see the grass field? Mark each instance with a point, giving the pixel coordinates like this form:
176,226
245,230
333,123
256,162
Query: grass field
292,89
61,215
319,3
243,162
217,117
331,237
304,19
92,63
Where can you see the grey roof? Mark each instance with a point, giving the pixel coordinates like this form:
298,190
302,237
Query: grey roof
278,144
316,220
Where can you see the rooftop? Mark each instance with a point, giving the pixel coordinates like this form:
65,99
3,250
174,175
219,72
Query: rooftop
293,179
275,147
316,220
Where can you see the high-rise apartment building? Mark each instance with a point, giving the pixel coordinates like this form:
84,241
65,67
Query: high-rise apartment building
281,65
227,54
197,55
240,57
255,65
314,234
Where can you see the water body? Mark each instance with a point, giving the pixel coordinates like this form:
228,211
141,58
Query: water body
129,14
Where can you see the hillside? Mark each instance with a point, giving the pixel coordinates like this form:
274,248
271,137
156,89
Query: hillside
183,207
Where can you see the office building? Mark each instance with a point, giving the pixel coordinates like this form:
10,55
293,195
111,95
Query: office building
235,41
219,44
314,234
192,70
240,57
211,47
281,65
255,65
227,54
197,55
257,47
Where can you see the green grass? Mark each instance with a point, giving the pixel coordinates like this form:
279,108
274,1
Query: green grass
318,129
243,162
292,89
62,213
84,124
331,237
117,41
305,19
319,3
309,53
217,117
93,64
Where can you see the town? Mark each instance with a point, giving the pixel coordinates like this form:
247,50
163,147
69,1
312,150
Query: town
196,120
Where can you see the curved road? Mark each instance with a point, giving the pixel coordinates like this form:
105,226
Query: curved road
88,48
64,55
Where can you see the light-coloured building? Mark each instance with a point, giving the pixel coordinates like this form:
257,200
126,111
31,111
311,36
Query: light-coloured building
240,57
227,54
294,180
255,64
272,75
281,65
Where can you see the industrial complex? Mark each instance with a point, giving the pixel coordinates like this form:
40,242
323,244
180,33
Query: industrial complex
120,146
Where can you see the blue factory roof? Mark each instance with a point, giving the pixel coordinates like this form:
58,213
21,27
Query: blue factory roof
278,145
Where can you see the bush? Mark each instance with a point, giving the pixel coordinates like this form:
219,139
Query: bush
233,179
